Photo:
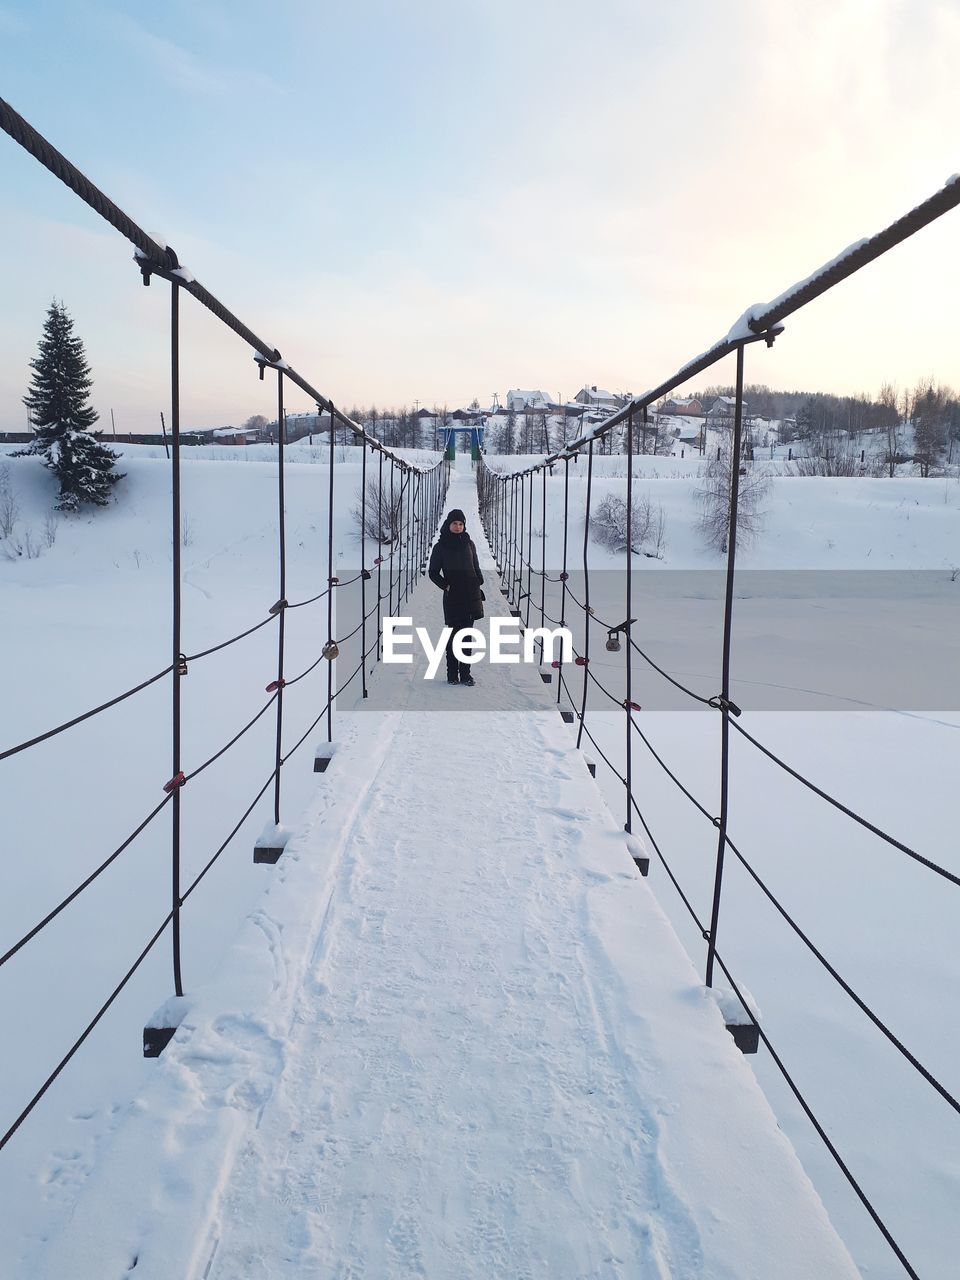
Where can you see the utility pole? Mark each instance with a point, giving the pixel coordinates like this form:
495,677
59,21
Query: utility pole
113,424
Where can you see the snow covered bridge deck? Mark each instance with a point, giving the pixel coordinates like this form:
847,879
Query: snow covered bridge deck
457,1039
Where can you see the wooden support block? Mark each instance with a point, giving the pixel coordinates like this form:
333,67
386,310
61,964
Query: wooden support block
567,717
323,754
746,1035
270,844
156,1039
592,766
161,1027
545,677
638,852
514,613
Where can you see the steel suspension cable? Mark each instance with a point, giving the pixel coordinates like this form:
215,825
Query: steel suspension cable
86,1033
837,804
808,1112
68,724
94,875
225,644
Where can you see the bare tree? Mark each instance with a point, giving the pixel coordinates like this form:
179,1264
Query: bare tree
889,401
837,460
608,525
713,494
377,518
9,504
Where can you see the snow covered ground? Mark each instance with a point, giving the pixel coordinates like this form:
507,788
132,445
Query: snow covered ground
92,617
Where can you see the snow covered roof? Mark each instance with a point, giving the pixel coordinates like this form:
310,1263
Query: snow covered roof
518,395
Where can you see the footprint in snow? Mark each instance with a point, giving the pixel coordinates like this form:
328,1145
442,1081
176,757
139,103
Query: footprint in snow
568,815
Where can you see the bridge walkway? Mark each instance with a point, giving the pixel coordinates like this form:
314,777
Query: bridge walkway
458,1039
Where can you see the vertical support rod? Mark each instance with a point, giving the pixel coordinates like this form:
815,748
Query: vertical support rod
420,524
363,566
543,560
405,543
281,431
529,550
379,554
507,499
627,826
586,594
508,535
519,533
504,507
563,571
725,675
394,535
330,587
177,650
409,540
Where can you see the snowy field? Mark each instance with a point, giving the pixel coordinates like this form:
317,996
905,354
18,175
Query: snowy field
92,618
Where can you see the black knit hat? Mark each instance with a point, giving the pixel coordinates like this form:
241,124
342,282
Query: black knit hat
456,514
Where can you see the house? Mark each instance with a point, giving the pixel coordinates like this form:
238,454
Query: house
597,398
689,408
234,435
687,430
535,401
721,413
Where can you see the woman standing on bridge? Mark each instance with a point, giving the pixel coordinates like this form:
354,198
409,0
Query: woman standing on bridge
456,571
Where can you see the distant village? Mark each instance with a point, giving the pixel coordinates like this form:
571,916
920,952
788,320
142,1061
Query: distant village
527,421
522,411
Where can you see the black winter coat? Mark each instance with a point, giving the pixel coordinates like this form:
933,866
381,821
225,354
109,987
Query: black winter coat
454,565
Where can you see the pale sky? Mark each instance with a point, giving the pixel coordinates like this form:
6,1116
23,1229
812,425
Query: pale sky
444,198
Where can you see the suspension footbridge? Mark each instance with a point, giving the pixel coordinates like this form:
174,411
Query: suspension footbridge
458,1036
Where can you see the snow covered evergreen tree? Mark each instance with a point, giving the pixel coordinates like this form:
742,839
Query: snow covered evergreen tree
61,417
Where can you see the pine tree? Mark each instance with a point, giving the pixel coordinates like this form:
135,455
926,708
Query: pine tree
61,417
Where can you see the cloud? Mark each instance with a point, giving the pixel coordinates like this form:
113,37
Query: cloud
189,71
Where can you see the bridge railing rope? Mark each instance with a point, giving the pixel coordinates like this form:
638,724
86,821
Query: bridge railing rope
506,503
401,529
